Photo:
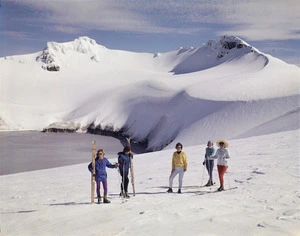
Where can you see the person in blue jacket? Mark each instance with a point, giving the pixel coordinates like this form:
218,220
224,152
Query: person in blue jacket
100,175
124,165
209,151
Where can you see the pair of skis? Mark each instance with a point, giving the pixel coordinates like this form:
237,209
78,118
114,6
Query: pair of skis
94,171
216,191
131,168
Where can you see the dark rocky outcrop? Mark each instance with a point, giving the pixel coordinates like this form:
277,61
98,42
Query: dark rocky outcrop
53,68
58,130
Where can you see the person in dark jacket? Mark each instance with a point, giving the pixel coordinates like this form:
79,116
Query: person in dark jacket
100,175
209,151
124,165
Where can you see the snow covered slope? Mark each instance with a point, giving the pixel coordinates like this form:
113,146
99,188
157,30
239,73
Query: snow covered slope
214,53
223,89
266,201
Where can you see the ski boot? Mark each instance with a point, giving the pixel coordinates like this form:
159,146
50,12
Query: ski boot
126,195
221,188
179,191
99,199
105,200
170,190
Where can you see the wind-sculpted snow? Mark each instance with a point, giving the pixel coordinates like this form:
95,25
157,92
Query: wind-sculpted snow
161,116
243,119
194,121
286,122
166,118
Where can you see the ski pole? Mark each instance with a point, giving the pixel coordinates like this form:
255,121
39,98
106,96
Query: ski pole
202,175
118,173
123,180
228,179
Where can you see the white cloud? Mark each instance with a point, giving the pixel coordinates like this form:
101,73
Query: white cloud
254,20
97,15
263,20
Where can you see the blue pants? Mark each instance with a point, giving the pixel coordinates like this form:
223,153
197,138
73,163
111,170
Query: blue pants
210,166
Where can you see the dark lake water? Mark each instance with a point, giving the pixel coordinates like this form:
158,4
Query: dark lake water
28,151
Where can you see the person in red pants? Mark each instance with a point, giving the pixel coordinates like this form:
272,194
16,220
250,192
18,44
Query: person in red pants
222,155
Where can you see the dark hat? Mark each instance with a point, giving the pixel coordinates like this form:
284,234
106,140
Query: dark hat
126,149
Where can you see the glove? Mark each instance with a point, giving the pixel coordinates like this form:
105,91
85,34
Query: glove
203,163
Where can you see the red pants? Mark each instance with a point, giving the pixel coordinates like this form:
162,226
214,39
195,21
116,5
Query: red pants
221,171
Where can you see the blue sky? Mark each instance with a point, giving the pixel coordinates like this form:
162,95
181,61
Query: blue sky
272,26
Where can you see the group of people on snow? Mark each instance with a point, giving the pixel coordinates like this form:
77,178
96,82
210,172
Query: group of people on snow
179,164
179,167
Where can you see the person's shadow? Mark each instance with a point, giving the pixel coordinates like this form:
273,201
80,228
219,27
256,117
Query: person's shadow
69,203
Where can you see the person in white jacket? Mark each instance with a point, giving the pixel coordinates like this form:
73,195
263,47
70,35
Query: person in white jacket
222,155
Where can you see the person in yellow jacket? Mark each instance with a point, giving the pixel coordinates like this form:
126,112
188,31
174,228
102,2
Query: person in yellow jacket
179,166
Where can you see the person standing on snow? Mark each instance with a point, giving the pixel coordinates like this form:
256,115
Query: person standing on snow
179,166
222,155
101,176
124,165
209,151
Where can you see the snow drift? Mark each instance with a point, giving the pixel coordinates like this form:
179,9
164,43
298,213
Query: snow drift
223,89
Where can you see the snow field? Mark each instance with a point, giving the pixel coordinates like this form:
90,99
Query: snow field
264,168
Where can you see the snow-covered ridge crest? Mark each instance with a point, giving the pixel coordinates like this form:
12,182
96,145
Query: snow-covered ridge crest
216,52
226,43
50,55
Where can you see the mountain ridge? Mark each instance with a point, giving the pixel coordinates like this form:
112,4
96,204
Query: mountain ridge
187,59
95,89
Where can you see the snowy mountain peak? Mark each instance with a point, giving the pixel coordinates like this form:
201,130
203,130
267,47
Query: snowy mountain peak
81,44
216,52
51,54
226,43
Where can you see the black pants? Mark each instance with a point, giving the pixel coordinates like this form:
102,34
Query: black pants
125,180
